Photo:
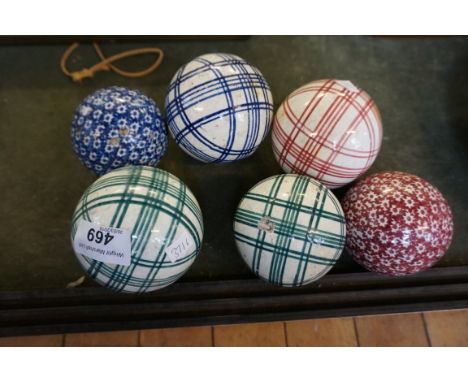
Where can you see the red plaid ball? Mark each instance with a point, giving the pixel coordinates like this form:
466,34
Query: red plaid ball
329,130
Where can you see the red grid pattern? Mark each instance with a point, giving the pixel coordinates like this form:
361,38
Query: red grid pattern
312,140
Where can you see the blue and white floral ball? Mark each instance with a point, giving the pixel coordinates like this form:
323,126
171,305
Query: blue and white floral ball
116,126
219,108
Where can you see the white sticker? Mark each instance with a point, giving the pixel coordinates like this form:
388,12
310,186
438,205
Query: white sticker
180,247
348,85
106,244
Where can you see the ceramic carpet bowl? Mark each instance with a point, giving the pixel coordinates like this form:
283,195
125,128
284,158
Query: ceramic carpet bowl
219,108
328,129
157,209
116,126
397,223
289,229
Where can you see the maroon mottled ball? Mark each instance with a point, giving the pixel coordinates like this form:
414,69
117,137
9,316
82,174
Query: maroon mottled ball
396,223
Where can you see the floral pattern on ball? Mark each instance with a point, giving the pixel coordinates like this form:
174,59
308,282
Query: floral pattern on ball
117,126
397,223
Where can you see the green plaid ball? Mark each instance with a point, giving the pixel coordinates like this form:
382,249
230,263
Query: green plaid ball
157,208
289,229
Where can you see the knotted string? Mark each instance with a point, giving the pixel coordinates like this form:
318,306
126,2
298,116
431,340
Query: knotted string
106,63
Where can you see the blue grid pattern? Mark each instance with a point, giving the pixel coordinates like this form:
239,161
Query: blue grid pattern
219,108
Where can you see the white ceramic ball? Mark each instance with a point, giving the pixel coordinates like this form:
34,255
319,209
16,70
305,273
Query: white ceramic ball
219,108
328,129
157,208
289,229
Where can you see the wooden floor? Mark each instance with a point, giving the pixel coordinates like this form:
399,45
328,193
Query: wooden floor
443,328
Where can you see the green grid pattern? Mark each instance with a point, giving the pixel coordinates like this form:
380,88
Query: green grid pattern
308,229
143,199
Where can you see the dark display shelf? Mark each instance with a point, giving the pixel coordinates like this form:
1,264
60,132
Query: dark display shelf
419,85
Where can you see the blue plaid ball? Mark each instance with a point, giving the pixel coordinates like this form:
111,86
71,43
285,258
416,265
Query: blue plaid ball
219,108
117,126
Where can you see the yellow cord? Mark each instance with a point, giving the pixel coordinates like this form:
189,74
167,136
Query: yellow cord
106,63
